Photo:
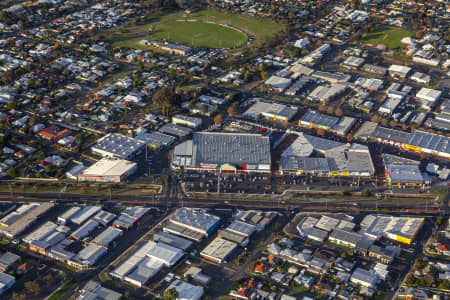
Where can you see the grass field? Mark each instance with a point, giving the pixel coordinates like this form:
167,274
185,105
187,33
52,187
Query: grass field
389,36
199,34
196,27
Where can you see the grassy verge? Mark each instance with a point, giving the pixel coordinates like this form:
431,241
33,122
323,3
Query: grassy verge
63,290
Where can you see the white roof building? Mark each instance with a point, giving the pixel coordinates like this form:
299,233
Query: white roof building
166,254
186,291
218,250
6,281
399,71
429,95
109,170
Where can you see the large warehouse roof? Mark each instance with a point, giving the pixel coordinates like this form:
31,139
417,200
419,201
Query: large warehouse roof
429,141
109,167
198,220
404,227
118,145
271,109
233,148
218,249
17,221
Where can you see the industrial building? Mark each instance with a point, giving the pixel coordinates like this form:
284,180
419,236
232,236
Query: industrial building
374,69
312,119
430,143
194,220
340,222
146,262
88,257
172,240
398,71
84,230
187,121
65,217
218,250
364,278
238,232
108,170
17,221
130,216
401,171
118,146
156,140
224,152
8,260
108,236
6,282
186,290
419,141
325,93
332,77
175,130
353,62
273,111
339,159
372,84
45,237
428,97
93,290
306,228
345,238
278,83
400,229
84,214
104,217
258,218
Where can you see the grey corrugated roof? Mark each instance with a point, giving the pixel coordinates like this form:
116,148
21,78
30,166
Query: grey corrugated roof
233,148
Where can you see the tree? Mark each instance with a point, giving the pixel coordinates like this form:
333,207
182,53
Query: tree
349,137
366,193
444,285
440,220
232,109
17,296
320,132
218,119
12,172
264,75
165,95
330,110
170,294
203,108
33,288
127,294
375,119
423,155
339,113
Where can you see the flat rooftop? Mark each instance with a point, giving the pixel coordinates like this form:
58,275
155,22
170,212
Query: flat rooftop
109,167
195,219
271,109
15,222
219,249
119,145
233,148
